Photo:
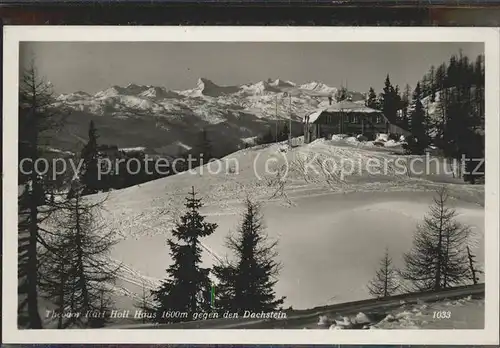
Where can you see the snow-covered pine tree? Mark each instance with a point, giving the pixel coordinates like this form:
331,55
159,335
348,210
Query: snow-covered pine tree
385,282
438,258
187,279
89,176
248,282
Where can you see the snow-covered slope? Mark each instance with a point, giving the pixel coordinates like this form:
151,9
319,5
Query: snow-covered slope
155,117
358,214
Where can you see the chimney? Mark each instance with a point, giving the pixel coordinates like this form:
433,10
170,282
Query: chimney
330,99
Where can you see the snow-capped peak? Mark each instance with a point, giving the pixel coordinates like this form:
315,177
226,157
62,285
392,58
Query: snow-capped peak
318,87
281,83
133,89
203,83
113,91
206,87
207,100
260,87
79,95
158,93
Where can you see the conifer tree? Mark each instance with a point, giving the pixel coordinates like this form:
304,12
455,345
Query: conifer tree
389,101
385,282
53,275
372,101
405,106
90,166
432,83
440,77
457,87
247,283
479,85
226,273
38,120
180,292
418,123
102,306
438,258
440,80
75,270
424,86
398,105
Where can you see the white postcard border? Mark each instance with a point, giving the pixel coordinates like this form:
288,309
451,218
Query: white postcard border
15,34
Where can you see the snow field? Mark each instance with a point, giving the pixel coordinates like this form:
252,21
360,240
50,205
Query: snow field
464,313
331,234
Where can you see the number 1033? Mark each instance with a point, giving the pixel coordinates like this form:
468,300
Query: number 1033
441,315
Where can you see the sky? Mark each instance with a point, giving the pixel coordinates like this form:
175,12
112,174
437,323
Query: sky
95,66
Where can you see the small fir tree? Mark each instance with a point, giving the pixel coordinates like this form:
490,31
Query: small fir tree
248,282
180,292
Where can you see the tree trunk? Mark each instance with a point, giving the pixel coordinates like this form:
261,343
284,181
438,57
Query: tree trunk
81,267
32,262
471,265
61,297
437,281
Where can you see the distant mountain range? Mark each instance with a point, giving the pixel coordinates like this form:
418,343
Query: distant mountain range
169,122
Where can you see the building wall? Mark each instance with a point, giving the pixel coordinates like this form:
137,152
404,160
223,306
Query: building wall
398,130
349,123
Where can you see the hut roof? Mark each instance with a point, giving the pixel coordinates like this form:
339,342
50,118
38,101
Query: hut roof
343,106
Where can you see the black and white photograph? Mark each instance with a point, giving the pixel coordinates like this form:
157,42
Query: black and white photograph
271,185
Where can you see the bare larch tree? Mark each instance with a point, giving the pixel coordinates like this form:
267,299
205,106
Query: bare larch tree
38,120
76,274
438,258
385,283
